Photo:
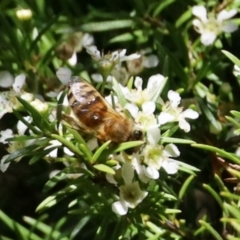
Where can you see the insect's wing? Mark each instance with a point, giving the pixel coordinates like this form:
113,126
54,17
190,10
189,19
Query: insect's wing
75,124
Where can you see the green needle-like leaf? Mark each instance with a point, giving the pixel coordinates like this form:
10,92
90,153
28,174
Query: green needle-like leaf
185,186
220,152
211,230
99,151
104,168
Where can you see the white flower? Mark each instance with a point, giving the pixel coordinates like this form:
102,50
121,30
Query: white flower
172,113
130,193
116,56
8,99
130,196
209,26
6,81
151,93
74,44
13,146
107,62
144,118
156,156
144,173
136,66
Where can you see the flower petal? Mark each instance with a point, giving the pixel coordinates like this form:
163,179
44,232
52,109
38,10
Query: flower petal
21,127
120,207
132,194
198,26
189,113
224,14
236,70
4,166
111,179
132,108
184,125
127,172
92,143
87,39
97,77
200,12
6,79
112,99
172,150
155,84
148,108
93,51
64,75
153,135
19,82
122,53
229,27
5,134
130,57
165,118
73,60
151,61
67,151
151,172
208,38
174,98
170,166
138,83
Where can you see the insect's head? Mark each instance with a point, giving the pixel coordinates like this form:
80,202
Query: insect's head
137,134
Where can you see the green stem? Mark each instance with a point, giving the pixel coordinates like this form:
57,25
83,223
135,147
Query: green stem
103,84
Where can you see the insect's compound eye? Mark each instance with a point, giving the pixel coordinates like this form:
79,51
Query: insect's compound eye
138,134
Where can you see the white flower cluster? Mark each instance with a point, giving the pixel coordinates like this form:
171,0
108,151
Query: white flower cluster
8,103
135,170
8,99
145,164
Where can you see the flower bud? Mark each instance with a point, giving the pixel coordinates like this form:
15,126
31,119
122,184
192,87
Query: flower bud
40,106
64,51
215,127
24,14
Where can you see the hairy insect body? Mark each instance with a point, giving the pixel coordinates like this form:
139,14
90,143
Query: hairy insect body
94,115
